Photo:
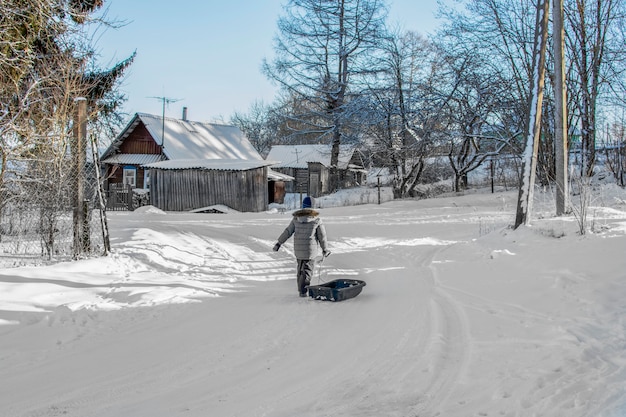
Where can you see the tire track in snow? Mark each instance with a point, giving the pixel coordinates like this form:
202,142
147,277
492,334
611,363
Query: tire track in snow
426,344
366,367
449,344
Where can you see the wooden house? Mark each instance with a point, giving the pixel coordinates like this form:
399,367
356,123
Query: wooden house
187,165
309,165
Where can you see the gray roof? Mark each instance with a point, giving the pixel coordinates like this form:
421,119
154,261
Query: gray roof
133,158
210,164
298,156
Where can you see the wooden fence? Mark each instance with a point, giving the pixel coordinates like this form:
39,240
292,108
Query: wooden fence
119,197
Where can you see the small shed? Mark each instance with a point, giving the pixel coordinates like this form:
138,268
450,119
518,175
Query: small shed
185,185
310,166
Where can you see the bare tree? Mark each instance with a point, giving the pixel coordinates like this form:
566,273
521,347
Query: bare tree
404,108
47,62
491,69
322,50
259,125
479,111
615,151
595,40
501,30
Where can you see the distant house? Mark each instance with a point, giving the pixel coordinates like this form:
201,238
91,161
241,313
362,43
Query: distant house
310,166
188,165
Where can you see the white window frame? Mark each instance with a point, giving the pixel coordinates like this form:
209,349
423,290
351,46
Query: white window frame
130,176
146,179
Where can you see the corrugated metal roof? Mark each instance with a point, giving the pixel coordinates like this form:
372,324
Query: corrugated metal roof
278,176
298,156
133,158
213,164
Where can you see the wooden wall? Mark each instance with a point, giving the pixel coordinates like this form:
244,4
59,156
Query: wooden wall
301,182
189,189
140,141
319,179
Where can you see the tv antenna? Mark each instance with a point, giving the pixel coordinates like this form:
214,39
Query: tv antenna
165,100
297,152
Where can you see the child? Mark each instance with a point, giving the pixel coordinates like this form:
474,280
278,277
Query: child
309,232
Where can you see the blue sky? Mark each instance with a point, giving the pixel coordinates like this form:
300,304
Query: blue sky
208,55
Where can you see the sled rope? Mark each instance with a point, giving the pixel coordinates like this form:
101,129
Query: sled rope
319,270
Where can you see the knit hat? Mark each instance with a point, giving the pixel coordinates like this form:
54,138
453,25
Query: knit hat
307,202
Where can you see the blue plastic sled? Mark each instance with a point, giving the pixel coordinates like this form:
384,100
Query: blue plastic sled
337,290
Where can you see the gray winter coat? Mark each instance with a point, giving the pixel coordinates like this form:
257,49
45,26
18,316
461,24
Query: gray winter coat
308,231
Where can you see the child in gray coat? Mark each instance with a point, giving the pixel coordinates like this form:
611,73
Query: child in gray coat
309,232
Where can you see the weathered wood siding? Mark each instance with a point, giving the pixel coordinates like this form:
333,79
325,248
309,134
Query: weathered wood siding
189,189
301,183
315,180
319,177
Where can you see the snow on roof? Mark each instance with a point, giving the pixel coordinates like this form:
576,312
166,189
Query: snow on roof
186,139
211,164
298,156
133,158
279,176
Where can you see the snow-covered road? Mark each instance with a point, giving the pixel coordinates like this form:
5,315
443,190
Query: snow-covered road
460,317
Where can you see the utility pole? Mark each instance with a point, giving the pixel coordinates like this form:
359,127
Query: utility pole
533,126
560,113
299,186
80,225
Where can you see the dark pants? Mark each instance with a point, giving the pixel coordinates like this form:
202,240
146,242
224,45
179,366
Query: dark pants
305,273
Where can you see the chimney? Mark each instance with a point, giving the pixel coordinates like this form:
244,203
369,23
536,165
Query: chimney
184,114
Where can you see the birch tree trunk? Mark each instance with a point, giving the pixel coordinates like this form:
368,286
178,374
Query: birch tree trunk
533,130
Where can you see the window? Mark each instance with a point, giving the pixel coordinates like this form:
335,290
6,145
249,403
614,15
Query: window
130,176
